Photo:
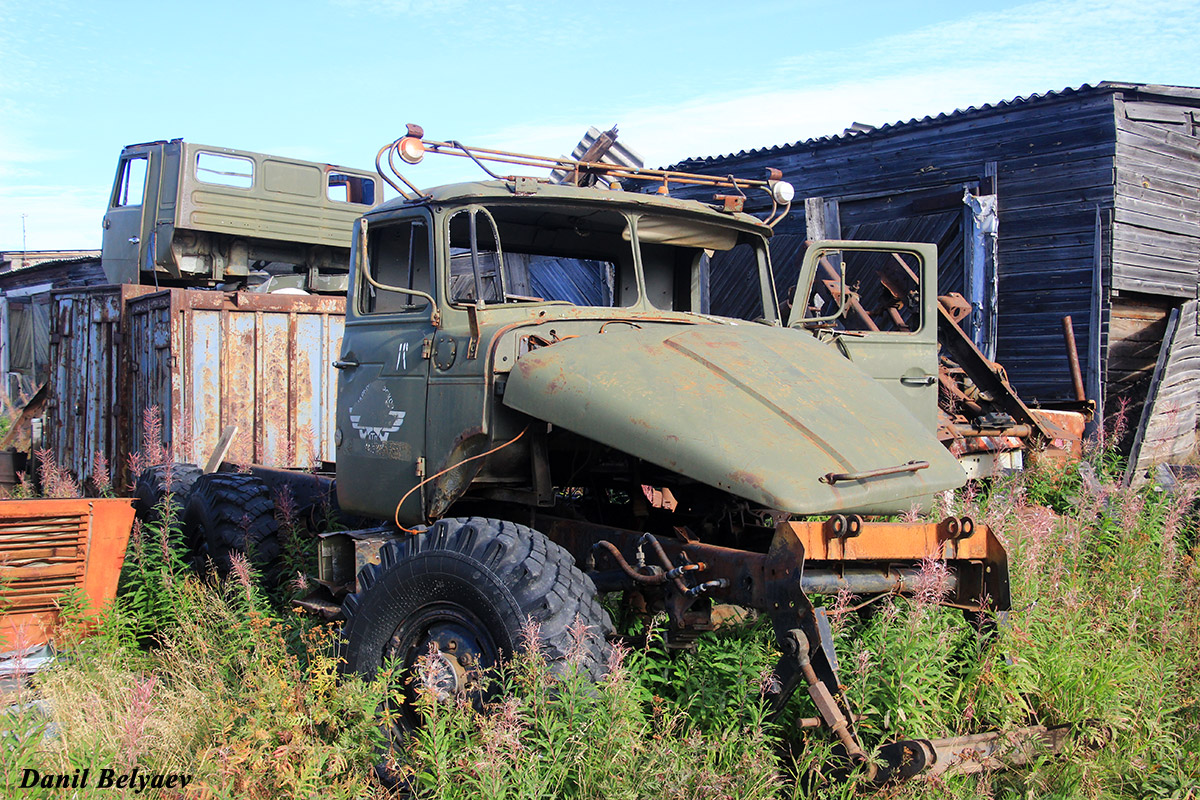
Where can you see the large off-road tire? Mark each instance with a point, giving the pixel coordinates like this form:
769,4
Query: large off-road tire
156,482
475,582
230,513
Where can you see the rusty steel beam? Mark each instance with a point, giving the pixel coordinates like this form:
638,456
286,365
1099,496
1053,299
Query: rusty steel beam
970,431
851,301
883,557
1073,359
964,755
985,374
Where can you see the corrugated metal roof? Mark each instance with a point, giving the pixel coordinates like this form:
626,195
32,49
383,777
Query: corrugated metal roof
1187,94
44,258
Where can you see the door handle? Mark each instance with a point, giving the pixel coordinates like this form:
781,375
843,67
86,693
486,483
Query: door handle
922,380
134,240
340,364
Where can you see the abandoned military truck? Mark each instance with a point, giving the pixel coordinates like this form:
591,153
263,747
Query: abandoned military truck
536,406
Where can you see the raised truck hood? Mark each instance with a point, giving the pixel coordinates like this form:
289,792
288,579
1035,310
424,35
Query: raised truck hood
761,412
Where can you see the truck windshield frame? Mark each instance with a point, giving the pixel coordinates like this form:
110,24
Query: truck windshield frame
589,256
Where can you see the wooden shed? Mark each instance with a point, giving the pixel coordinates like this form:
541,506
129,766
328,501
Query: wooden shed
26,280
1082,202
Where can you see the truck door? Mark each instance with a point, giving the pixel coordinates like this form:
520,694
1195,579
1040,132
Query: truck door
877,303
130,210
383,375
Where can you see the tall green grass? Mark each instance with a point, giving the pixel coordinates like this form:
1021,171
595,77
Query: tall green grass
220,682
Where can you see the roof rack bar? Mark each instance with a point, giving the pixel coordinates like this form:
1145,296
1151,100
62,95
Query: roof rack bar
412,147
570,165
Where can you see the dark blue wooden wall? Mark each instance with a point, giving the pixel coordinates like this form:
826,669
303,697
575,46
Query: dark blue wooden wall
1052,159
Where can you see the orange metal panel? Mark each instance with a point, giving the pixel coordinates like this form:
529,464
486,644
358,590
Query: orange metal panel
50,546
260,362
892,541
1067,427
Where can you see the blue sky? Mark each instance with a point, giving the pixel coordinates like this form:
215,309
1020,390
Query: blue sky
333,80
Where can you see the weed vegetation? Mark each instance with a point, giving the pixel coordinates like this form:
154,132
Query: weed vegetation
220,681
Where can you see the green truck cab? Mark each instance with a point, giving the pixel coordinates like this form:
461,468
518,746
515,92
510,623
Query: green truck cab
182,213
463,330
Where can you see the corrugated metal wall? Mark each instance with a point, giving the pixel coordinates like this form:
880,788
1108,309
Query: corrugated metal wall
261,362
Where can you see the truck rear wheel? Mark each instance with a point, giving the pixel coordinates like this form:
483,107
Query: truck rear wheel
230,513
155,483
470,586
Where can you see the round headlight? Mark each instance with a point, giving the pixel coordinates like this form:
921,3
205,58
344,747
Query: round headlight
412,150
783,192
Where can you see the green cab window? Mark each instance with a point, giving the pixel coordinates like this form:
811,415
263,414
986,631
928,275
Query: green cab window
397,255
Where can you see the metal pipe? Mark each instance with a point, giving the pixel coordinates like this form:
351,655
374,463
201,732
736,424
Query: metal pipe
1073,359
474,232
899,580
837,477
627,568
825,702
968,431
651,540
567,164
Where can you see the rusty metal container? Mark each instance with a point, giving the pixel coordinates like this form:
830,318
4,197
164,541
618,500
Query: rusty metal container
87,373
207,359
259,361
50,546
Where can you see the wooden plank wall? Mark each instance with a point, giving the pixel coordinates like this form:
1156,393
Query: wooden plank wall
1156,231
1171,432
1135,336
1054,167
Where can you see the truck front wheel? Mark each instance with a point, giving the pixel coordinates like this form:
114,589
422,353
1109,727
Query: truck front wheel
470,587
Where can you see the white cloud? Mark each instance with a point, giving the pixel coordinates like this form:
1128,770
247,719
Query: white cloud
18,158
984,58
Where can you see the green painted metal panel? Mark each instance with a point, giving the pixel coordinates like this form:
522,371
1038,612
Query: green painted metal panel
758,411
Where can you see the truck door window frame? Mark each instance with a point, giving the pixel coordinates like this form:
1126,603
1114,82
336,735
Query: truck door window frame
497,278
414,281
838,309
137,165
343,187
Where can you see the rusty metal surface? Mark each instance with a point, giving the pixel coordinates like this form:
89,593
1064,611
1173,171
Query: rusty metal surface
1067,428
964,755
342,555
883,557
1073,359
84,412
987,375
50,546
261,362
896,541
